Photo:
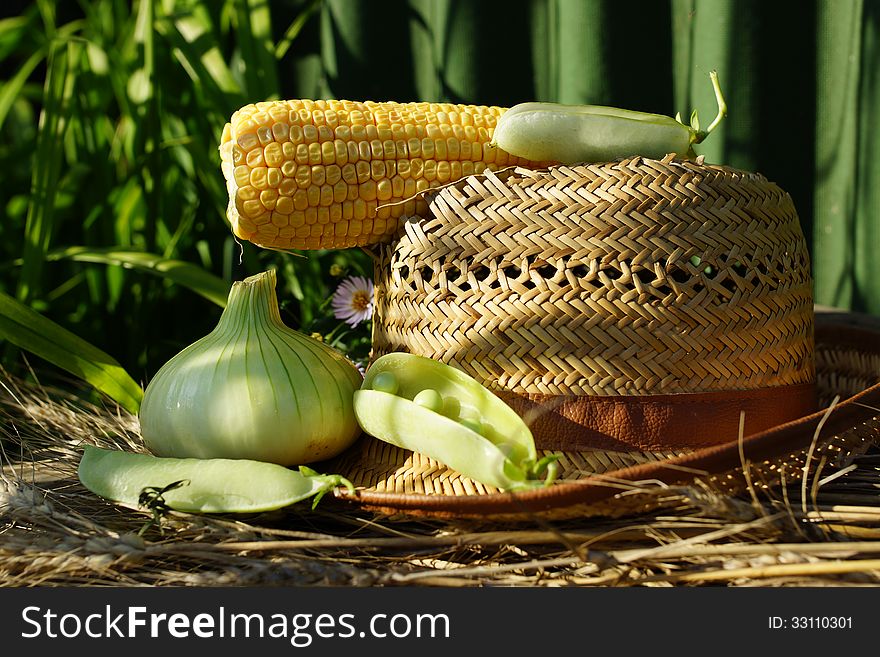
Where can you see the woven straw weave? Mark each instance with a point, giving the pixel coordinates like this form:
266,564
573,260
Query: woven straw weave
626,278
842,371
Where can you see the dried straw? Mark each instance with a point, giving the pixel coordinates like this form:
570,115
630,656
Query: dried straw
56,533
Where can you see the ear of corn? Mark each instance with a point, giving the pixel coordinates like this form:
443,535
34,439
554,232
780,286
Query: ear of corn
323,174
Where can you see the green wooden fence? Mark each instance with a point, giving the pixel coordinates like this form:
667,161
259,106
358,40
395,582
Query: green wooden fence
801,79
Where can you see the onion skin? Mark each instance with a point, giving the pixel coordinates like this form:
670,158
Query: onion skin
253,389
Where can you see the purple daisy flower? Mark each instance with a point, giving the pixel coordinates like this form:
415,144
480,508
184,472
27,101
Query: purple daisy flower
353,300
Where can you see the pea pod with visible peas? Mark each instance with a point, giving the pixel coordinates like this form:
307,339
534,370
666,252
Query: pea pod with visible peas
570,134
432,408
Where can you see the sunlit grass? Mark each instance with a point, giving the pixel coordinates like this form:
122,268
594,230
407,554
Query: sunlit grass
113,200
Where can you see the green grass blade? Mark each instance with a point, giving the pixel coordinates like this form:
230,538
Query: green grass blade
47,166
295,28
12,88
200,57
191,276
257,49
144,96
39,335
47,12
12,31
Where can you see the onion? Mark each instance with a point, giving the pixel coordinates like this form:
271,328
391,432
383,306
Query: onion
253,388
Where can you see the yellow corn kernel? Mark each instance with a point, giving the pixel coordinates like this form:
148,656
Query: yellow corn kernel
300,200
328,153
252,208
368,191
255,158
247,142
338,173
427,148
318,177
444,171
269,197
280,132
453,149
302,154
265,136
430,170
310,133
274,177
287,187
284,205
349,174
326,196
383,190
241,175
397,187
259,177
363,170
340,192
273,154
247,193
340,152
333,174
288,169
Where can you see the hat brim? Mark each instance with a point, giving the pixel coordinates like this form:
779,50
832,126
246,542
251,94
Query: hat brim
391,480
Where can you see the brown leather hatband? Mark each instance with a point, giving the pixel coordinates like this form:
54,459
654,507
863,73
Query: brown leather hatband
658,422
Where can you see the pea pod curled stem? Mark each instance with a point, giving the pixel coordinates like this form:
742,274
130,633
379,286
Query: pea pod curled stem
700,135
569,134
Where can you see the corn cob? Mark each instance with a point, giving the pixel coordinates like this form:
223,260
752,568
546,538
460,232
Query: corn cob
326,174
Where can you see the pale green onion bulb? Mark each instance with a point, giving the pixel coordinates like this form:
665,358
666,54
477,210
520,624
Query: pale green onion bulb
253,388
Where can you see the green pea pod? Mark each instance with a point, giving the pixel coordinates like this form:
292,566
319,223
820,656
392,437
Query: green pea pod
200,485
570,134
428,407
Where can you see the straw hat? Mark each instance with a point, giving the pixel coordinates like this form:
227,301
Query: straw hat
651,320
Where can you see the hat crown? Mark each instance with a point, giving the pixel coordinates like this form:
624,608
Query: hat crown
635,277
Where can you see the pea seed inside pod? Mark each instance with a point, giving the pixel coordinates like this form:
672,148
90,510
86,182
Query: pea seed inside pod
472,423
451,407
430,399
386,382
